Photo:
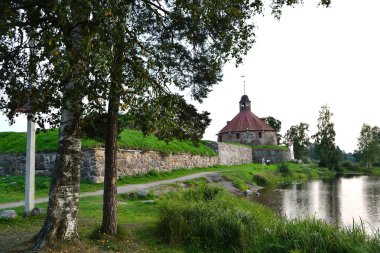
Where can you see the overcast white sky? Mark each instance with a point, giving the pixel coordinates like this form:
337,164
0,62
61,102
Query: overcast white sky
313,56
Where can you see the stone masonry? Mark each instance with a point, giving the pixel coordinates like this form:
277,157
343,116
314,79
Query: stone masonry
133,162
273,155
256,138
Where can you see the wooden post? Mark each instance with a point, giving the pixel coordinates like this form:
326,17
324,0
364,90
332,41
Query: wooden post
30,167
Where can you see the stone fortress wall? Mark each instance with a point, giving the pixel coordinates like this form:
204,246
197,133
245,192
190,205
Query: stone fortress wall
257,138
133,162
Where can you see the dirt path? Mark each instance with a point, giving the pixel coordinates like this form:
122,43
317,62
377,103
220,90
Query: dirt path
122,189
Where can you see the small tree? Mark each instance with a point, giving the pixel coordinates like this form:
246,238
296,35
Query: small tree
276,125
329,155
298,134
368,145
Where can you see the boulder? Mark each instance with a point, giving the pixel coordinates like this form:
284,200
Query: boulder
8,214
247,192
142,193
37,211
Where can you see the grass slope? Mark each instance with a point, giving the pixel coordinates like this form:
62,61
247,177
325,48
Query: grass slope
11,142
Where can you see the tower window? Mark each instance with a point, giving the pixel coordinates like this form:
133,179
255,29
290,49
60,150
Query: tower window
237,135
260,135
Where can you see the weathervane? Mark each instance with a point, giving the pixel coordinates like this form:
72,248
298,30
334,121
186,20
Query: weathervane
243,82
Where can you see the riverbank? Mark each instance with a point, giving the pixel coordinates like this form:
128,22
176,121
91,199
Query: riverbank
140,219
12,188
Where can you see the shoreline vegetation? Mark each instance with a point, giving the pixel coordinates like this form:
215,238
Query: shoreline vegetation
200,217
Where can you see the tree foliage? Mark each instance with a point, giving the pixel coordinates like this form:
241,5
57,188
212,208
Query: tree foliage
81,55
369,145
276,125
329,155
298,134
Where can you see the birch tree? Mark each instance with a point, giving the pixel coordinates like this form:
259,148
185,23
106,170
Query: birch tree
161,48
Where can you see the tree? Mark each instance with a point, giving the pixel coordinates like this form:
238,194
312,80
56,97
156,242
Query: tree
298,134
60,32
329,155
164,46
276,125
369,145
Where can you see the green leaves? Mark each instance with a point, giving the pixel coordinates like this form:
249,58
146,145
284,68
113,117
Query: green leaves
369,144
298,134
325,140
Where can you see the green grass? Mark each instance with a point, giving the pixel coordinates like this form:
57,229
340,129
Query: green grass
209,219
11,142
271,175
136,220
270,147
12,188
131,139
375,171
202,219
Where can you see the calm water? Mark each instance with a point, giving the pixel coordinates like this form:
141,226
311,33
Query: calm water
336,201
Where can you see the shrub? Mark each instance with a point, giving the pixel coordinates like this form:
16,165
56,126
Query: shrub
349,166
133,196
283,168
206,218
260,179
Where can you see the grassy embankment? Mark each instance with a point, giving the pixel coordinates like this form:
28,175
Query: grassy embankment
11,142
203,218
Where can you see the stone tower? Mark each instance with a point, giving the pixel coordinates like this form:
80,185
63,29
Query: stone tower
245,103
247,128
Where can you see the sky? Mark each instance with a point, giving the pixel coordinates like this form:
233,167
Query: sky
313,56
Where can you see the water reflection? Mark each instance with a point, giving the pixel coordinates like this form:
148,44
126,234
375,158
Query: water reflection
339,201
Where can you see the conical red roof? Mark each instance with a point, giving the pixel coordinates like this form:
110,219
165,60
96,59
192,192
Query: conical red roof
246,121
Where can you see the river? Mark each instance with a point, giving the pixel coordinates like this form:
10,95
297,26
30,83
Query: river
336,201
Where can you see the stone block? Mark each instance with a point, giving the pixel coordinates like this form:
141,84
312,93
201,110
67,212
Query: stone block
8,214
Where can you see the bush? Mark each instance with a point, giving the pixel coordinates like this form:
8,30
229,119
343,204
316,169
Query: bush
207,218
260,179
133,196
347,165
283,168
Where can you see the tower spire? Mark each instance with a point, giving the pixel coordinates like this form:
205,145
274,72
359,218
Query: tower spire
243,76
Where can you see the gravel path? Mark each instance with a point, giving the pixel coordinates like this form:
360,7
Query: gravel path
120,189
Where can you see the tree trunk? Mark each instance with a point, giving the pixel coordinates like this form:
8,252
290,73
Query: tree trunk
109,223
63,207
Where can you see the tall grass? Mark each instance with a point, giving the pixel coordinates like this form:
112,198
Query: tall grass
208,219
